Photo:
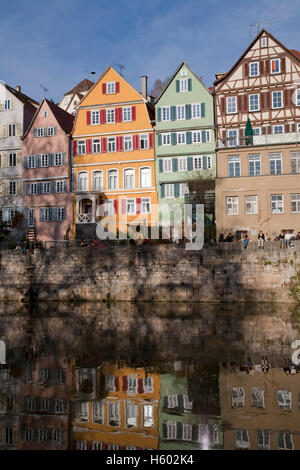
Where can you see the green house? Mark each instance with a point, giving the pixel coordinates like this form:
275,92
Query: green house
185,139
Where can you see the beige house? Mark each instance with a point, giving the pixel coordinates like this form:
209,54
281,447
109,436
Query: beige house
258,179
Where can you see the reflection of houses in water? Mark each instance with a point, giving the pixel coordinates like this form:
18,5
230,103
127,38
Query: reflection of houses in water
115,408
10,386
45,405
261,411
185,420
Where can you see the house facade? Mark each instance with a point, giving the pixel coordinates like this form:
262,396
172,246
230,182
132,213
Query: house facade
113,156
46,158
185,142
16,112
257,185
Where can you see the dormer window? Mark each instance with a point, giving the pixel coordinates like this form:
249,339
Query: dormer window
263,42
275,66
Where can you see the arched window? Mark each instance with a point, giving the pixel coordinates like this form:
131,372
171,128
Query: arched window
145,177
97,181
129,178
112,179
83,181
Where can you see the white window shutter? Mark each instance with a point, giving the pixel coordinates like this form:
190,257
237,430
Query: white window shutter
18,129
19,158
1,106
4,163
12,104
4,131
19,187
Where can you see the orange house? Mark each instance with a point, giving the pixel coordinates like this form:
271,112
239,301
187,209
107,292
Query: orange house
113,156
127,418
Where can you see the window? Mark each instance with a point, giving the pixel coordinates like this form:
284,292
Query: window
275,66
253,102
47,214
234,168
196,110
127,143
284,399
145,177
257,397
81,445
98,412
298,127
44,160
196,135
82,181
12,159
60,186
11,130
263,42
278,129
12,189
148,385
254,164
60,213
110,116
61,376
81,147
276,99
187,432
29,372
45,114
171,430
51,131
110,88
148,420
295,203
298,97
44,404
183,85
285,441
237,395
251,206
83,411
112,179
131,415
263,437
111,144
169,190
97,445
145,207
57,435
232,208
127,114
114,414
58,160
46,187
198,163
172,401
60,405
184,189
275,163
28,434
31,404
95,117
144,142
97,181
231,104
31,161
96,146
129,178
130,206
181,111
182,164
7,105
109,210
187,404
242,439
165,113
256,130
166,139
167,165
180,137
277,204
232,138
208,136
253,69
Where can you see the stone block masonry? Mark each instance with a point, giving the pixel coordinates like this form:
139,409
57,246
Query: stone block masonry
222,272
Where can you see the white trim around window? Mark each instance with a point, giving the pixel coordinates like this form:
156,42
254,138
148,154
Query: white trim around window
107,179
146,178
131,172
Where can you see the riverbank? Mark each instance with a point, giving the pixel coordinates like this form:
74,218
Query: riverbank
221,272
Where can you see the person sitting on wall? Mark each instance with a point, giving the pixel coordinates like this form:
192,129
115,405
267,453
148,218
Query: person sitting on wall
245,240
229,237
281,238
261,240
140,239
221,237
298,236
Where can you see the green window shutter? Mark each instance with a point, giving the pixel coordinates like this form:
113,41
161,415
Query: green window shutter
177,86
165,430
176,190
189,137
204,162
190,163
64,158
173,138
26,162
203,110
174,164
162,191
179,430
159,139
189,84
42,215
161,166
173,113
203,137
195,432
158,114
188,111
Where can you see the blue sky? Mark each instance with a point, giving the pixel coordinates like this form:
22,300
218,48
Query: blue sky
58,43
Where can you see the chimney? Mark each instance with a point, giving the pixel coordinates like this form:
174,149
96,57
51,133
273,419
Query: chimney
144,86
18,88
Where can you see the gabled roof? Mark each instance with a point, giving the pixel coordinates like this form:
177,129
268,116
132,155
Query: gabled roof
29,102
84,85
292,52
174,75
64,119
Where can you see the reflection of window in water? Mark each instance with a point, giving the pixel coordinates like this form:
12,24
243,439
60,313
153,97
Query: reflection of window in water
113,446
28,434
31,404
263,437
57,435
242,439
131,414
110,383
97,445
172,401
171,429
114,413
215,434
284,399
42,435
187,432
85,380
83,411
43,374
132,383
29,372
237,397
130,448
148,416
257,397
285,441
9,404
44,404
81,445
60,405
10,435
148,385
61,376
187,405
98,412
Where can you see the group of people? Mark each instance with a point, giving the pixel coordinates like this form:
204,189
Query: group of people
289,367
265,366
28,246
285,237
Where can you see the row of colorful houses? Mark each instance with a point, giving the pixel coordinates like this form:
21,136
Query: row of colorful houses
109,150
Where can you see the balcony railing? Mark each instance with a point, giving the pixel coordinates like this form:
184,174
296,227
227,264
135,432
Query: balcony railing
85,219
260,140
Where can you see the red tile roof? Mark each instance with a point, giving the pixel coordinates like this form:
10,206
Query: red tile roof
84,85
29,102
295,53
64,119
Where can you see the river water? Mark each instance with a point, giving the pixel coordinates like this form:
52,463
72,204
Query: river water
98,376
